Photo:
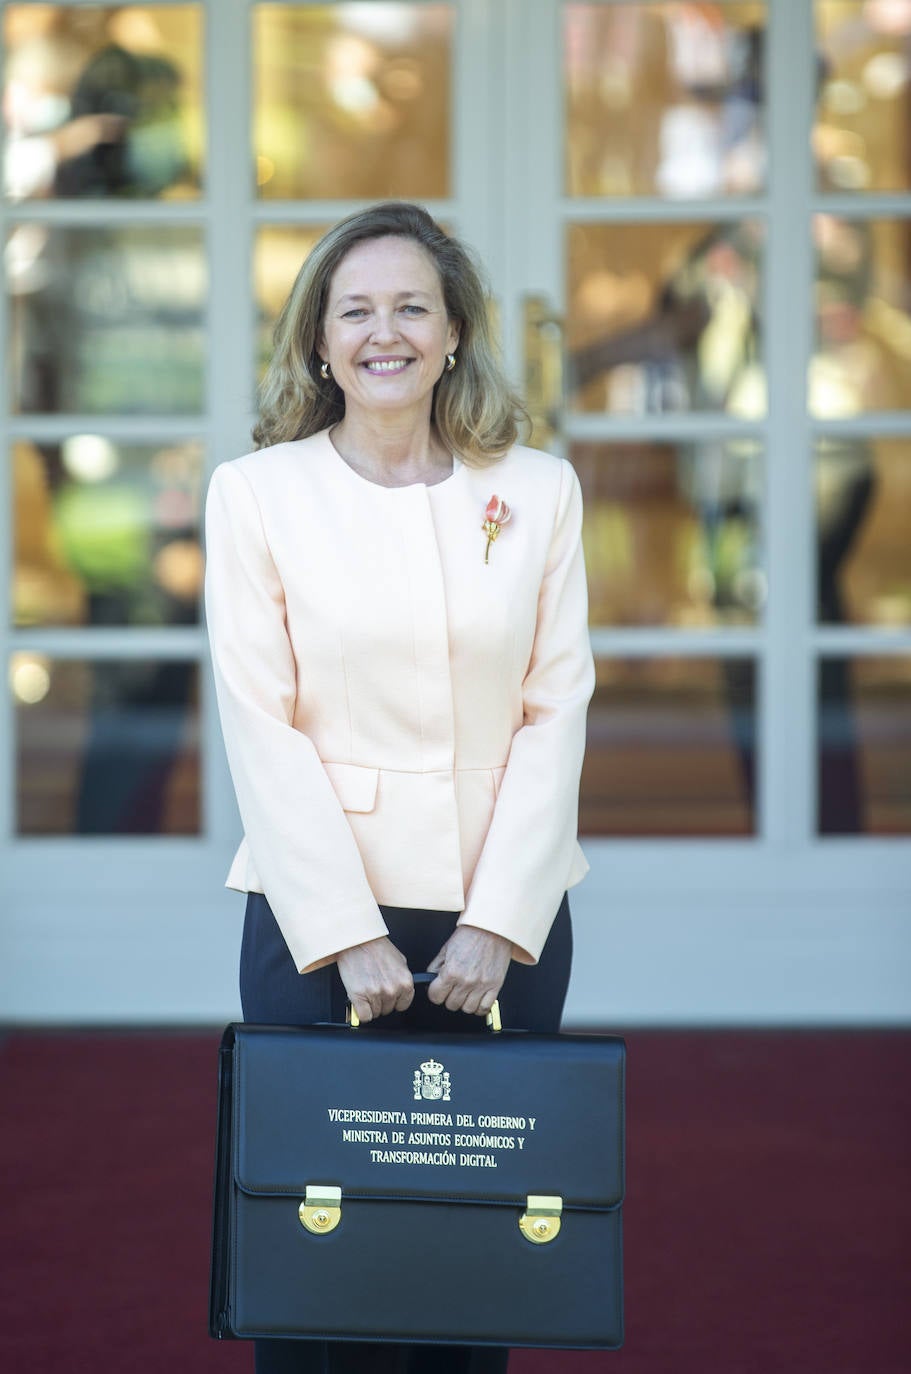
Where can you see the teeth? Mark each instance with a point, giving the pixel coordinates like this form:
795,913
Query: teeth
395,366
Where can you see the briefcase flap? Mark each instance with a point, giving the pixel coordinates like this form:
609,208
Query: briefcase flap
468,1118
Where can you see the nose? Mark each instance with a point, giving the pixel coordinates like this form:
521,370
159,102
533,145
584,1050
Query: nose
384,326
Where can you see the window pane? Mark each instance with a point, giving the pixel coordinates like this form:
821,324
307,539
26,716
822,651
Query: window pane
106,748
106,321
865,746
103,101
664,99
664,317
863,531
862,358
105,533
278,253
352,101
671,748
862,137
671,532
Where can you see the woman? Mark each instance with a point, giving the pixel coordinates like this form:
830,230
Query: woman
397,611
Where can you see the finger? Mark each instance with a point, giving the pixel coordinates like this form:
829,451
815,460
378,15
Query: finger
472,1003
398,993
439,989
456,999
388,999
437,963
363,1009
405,998
376,1003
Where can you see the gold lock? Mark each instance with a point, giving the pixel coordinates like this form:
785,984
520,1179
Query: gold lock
321,1210
541,1220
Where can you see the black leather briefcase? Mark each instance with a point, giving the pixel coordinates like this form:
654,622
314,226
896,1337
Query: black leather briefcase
452,1188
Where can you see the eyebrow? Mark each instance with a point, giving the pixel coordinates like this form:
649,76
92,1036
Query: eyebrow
400,295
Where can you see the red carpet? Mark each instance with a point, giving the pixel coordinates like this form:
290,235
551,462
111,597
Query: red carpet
767,1225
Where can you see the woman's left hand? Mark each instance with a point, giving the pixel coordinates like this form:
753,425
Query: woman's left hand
470,970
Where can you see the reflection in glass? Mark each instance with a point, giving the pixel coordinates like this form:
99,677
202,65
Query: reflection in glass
352,101
102,100
671,748
664,99
862,136
862,357
664,317
279,251
671,532
106,748
864,746
106,321
105,533
863,531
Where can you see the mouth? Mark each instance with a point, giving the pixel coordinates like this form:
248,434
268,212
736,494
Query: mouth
385,367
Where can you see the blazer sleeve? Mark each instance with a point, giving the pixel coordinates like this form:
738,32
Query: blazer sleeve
524,865
299,839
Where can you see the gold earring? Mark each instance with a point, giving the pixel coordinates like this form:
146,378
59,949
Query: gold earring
450,362
325,372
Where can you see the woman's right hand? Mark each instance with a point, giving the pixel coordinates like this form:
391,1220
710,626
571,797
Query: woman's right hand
377,979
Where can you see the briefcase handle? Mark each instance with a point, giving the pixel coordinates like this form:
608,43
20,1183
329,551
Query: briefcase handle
494,1023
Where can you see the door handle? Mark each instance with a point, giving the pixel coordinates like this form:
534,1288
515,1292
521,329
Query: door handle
543,344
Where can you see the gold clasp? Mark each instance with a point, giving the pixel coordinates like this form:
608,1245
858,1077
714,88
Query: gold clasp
540,1222
321,1210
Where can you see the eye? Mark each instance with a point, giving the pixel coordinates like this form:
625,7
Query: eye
414,309
355,313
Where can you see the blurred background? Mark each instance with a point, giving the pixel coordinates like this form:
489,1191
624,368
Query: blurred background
696,220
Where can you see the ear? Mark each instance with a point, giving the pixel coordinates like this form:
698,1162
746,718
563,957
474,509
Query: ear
455,333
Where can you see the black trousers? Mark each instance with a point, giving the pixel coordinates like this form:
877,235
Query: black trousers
273,992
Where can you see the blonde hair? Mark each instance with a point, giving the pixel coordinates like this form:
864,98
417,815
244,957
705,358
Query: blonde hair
475,411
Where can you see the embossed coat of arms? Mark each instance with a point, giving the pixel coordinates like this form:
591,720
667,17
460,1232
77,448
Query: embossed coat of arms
431,1082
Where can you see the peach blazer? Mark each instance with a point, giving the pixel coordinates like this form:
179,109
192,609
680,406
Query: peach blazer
404,723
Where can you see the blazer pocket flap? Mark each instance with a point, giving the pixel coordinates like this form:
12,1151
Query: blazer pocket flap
354,786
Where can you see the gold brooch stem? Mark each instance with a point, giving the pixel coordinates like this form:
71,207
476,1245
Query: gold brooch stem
491,529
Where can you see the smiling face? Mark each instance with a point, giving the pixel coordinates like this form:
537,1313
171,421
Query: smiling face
386,332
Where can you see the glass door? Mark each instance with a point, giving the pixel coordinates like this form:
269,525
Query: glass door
166,167
710,303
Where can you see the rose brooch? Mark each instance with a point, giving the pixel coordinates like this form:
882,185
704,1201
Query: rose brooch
497,514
